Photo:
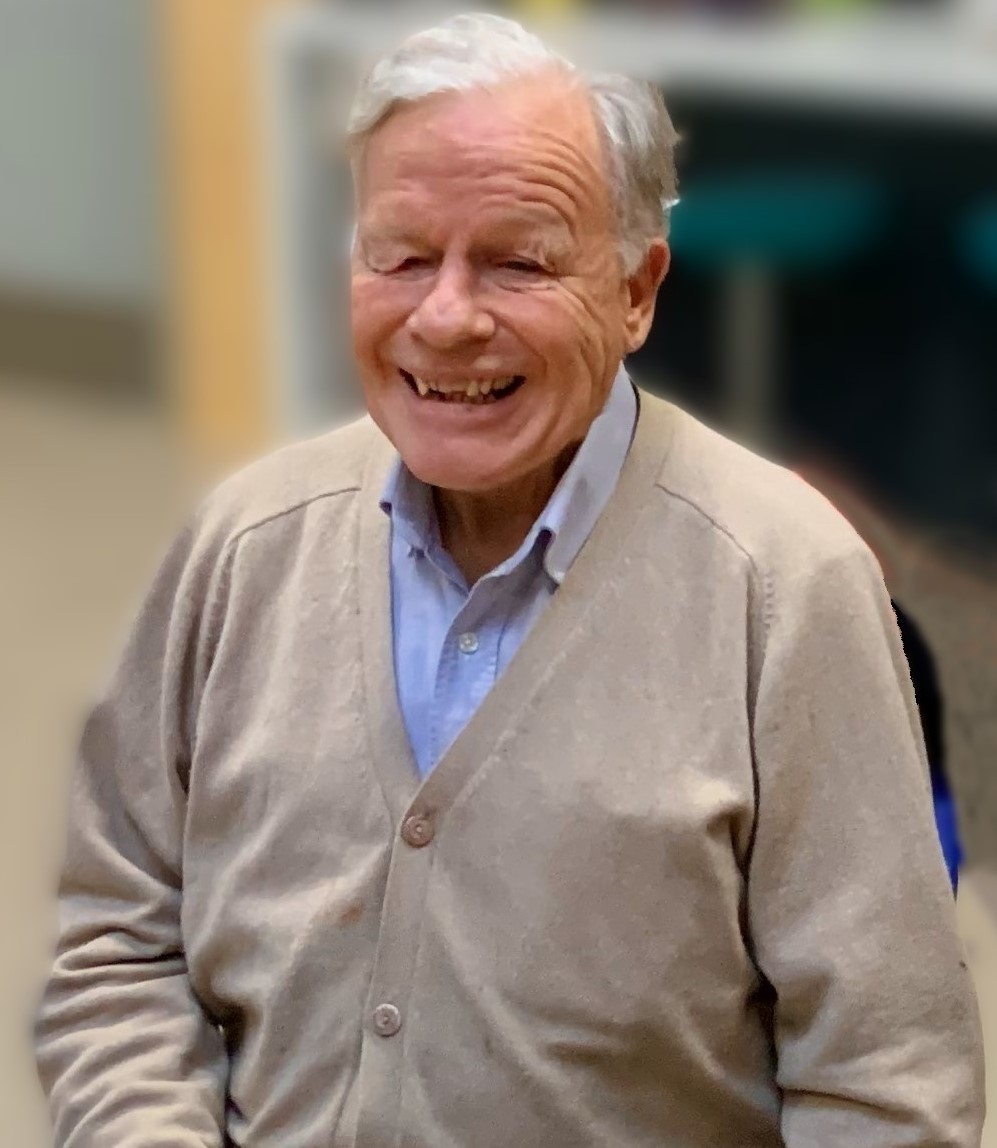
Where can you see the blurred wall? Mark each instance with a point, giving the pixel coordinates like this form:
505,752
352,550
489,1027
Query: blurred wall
80,193
81,259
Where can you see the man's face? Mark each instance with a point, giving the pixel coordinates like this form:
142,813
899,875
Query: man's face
486,250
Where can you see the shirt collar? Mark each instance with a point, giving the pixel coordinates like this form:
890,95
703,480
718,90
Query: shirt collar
409,504
572,510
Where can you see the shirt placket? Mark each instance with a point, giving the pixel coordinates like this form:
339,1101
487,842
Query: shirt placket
468,662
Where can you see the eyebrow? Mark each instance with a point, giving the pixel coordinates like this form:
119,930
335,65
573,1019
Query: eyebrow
545,227
542,225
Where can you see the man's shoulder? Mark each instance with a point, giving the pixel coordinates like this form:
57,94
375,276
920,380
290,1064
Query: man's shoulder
291,477
767,511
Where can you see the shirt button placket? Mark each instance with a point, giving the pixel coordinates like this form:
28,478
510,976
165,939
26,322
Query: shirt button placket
468,643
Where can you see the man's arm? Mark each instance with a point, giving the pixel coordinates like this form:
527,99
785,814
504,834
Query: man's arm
125,1053
850,909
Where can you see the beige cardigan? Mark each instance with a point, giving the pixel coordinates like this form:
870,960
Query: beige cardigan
676,884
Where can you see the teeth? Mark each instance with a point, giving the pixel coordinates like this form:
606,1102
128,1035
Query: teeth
468,388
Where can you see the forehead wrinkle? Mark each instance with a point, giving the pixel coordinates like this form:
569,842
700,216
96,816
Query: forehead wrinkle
552,196
500,199
533,155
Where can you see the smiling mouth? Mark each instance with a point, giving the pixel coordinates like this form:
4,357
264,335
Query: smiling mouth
473,392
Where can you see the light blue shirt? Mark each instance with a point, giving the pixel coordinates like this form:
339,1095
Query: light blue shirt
451,641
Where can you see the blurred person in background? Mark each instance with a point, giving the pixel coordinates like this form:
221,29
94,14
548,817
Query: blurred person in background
844,494
928,693
509,767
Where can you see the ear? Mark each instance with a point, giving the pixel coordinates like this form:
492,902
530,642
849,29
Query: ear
642,293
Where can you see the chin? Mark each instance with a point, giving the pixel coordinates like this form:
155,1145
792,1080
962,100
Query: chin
459,478
462,470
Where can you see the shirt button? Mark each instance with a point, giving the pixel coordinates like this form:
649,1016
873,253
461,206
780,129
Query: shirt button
417,830
468,643
387,1020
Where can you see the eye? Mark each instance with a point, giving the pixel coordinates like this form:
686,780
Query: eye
392,263
524,266
412,263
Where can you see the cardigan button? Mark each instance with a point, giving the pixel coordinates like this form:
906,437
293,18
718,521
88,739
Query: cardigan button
417,830
387,1019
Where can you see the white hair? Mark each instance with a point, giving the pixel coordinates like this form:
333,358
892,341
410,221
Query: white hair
481,50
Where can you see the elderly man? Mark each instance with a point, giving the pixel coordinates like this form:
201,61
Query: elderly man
508,768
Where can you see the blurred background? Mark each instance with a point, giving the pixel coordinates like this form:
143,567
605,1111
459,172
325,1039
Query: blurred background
173,226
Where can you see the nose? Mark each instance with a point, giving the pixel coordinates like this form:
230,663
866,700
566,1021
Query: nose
450,315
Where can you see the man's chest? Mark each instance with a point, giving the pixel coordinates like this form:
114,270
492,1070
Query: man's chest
619,755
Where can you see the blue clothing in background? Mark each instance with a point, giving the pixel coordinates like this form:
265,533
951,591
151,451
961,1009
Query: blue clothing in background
451,641
928,694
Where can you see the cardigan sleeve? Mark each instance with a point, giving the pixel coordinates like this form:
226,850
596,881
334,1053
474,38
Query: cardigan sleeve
850,911
126,1055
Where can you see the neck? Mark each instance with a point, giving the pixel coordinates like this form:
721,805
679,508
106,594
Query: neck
481,529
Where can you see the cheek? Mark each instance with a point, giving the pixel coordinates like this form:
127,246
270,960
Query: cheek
377,311
585,324
572,314
601,296
594,299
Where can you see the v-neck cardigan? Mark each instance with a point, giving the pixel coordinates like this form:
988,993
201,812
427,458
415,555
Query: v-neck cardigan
676,882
